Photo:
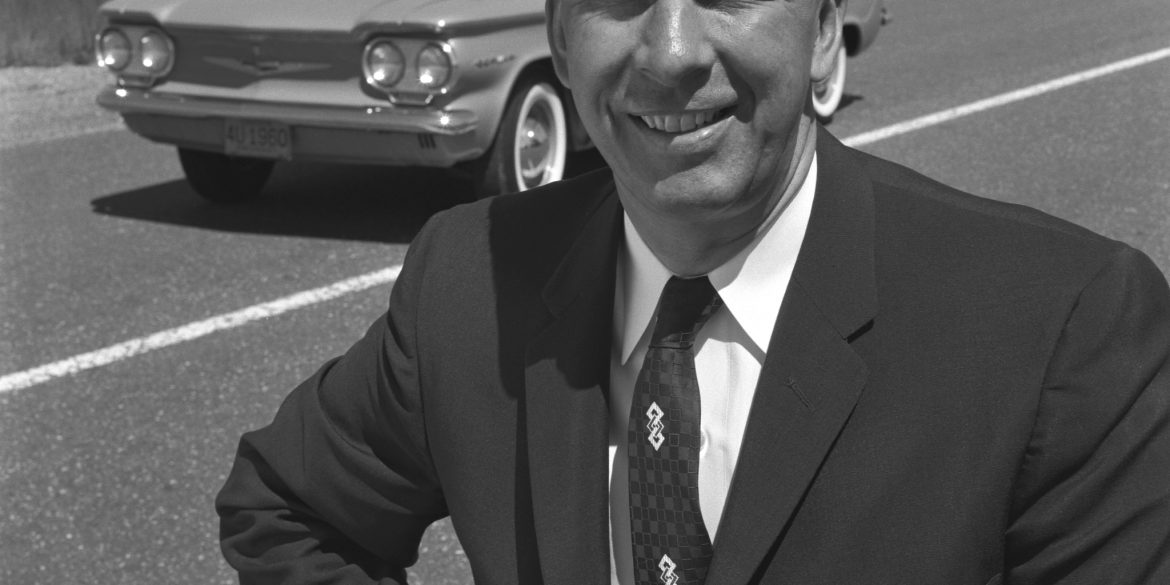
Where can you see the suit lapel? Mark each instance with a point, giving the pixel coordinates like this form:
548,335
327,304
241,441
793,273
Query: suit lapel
566,376
811,378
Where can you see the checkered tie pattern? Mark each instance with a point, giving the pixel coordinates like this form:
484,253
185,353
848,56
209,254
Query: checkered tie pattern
671,545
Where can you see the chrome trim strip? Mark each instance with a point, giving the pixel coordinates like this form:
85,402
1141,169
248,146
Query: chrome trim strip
453,29
375,118
362,31
254,35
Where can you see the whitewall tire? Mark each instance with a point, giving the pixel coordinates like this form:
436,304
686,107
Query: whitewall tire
531,145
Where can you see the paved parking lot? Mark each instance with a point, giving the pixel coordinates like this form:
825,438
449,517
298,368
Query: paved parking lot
123,388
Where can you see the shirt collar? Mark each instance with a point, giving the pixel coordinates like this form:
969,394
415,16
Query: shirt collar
752,283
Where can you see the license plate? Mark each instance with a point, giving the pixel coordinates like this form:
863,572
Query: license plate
257,138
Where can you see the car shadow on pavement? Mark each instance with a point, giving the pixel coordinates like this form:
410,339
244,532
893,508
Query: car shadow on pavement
344,202
376,204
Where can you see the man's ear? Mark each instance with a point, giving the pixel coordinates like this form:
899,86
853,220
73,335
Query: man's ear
830,20
556,40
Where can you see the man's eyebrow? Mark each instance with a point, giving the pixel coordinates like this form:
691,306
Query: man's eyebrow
620,9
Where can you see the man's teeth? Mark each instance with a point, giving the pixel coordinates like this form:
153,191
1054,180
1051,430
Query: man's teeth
678,123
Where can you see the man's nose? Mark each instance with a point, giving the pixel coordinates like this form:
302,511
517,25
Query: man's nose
674,47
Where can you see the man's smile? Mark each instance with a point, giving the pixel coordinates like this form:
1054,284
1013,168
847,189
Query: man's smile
682,122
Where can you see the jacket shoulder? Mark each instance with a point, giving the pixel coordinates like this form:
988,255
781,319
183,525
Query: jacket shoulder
957,228
539,223
507,246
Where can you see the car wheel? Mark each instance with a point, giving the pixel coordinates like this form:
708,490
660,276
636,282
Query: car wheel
826,95
531,143
222,178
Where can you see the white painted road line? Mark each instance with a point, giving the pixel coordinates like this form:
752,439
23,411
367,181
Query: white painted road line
1004,99
189,332
133,347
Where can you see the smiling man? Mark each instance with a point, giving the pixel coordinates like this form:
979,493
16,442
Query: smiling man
743,353
700,109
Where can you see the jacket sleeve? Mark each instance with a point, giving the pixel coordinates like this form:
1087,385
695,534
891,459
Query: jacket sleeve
339,487
1092,498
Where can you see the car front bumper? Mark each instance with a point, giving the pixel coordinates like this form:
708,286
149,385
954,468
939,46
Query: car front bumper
364,135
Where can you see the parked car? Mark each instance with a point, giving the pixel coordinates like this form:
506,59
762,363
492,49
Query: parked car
238,85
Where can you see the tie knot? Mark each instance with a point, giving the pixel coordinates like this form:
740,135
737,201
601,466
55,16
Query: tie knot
685,305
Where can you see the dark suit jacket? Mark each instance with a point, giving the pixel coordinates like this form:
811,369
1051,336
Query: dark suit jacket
958,392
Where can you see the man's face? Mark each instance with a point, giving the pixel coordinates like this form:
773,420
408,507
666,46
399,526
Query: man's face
696,104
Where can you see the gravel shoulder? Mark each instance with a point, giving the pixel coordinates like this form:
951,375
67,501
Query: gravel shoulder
38,104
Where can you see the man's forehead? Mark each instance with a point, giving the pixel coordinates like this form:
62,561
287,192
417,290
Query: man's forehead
551,4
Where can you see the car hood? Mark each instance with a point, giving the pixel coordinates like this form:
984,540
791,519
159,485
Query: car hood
319,15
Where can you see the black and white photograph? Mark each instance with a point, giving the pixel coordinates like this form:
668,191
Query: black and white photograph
608,292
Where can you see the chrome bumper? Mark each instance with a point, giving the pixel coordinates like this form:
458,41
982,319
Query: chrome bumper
389,119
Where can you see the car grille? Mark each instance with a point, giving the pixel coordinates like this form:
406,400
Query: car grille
237,59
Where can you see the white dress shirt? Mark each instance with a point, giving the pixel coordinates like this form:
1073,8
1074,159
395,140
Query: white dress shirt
729,352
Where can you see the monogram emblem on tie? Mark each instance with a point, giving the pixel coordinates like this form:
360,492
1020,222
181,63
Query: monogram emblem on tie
655,425
667,567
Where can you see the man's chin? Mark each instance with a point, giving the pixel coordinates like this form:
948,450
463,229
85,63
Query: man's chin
695,190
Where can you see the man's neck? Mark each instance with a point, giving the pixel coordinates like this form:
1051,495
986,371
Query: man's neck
690,248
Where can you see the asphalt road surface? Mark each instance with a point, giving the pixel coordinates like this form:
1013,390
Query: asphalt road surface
109,462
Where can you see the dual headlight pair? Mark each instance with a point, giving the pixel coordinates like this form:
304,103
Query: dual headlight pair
385,64
135,50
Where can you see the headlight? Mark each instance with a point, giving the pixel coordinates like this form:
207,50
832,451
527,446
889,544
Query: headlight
113,50
154,52
434,66
383,64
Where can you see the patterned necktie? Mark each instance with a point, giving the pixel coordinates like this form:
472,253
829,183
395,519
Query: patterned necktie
671,545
